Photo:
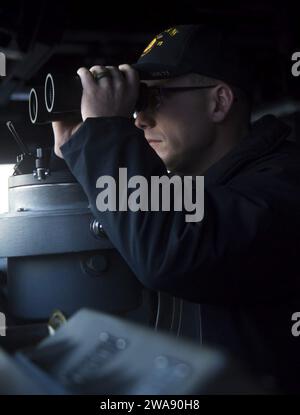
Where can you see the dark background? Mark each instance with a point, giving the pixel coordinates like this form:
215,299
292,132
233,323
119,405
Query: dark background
60,36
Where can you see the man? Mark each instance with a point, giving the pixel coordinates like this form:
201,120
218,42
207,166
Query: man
241,261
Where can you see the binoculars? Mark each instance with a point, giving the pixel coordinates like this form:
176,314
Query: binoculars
61,96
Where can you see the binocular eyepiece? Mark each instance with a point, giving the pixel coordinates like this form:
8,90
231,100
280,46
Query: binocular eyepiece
61,96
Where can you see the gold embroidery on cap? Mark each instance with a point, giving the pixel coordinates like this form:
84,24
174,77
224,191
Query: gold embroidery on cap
172,31
158,40
149,47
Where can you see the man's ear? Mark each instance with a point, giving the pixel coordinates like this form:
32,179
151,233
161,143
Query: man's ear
222,98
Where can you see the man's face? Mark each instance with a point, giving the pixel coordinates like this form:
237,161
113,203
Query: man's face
179,130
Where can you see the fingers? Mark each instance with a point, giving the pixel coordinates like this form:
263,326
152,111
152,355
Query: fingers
114,76
98,70
86,77
118,75
114,94
131,74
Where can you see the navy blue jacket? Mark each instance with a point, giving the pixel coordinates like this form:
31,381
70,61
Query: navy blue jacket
240,263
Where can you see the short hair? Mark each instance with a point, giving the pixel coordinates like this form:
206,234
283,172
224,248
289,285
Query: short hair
242,102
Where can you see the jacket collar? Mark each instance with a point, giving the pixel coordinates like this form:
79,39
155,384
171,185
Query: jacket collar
266,134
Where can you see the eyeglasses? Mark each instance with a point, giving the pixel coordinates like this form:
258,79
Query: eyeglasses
153,96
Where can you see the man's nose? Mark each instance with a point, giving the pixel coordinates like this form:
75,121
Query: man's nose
144,120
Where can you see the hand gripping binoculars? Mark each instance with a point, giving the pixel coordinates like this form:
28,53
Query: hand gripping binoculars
61,96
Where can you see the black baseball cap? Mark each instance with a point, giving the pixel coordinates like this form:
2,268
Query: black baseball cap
204,49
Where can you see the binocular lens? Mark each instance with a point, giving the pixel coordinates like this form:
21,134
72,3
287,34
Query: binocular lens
33,105
49,92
